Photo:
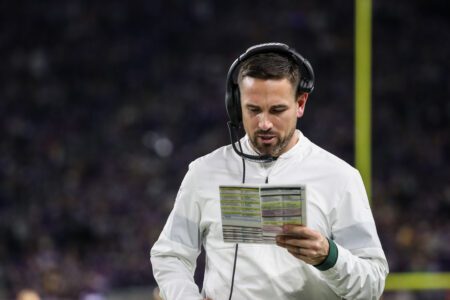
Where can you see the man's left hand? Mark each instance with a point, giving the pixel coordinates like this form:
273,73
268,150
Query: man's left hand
304,243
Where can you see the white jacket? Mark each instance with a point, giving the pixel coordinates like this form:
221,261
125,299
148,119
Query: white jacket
337,207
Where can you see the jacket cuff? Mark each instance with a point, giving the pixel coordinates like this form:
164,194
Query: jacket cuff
331,259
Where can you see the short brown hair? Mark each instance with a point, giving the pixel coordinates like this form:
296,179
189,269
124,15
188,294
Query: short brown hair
271,66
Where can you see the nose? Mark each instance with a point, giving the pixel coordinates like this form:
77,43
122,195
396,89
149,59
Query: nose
264,122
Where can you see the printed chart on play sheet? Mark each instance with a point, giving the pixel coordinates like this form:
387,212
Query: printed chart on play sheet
255,214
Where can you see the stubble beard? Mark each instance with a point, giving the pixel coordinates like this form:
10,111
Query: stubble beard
275,150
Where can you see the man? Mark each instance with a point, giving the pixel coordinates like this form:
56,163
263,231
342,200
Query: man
336,255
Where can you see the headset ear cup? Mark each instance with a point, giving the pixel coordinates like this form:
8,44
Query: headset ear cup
237,105
229,104
307,81
233,104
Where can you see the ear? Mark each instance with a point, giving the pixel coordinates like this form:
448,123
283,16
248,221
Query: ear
301,101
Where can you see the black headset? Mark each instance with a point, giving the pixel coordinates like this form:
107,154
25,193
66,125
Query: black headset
232,95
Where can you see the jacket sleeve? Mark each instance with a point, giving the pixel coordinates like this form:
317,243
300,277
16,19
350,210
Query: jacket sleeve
175,253
361,267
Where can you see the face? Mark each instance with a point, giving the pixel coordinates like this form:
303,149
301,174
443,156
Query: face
269,113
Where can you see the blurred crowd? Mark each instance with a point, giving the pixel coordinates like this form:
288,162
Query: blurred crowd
104,104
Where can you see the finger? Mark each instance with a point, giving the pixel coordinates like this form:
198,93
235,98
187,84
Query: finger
304,258
298,242
285,238
288,241
303,254
299,231
280,242
303,251
294,250
306,255
281,239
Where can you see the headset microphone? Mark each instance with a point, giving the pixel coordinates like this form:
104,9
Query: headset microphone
233,130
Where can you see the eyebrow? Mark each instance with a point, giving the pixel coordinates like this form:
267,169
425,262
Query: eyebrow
278,106
249,105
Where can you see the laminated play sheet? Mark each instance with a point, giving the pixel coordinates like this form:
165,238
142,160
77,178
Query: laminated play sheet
256,214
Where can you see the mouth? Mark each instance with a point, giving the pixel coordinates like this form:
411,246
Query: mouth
266,138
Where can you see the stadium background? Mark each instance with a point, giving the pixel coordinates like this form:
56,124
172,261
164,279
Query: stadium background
104,103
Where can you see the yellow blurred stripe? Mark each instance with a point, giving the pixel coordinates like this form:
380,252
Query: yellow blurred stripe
417,281
363,69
